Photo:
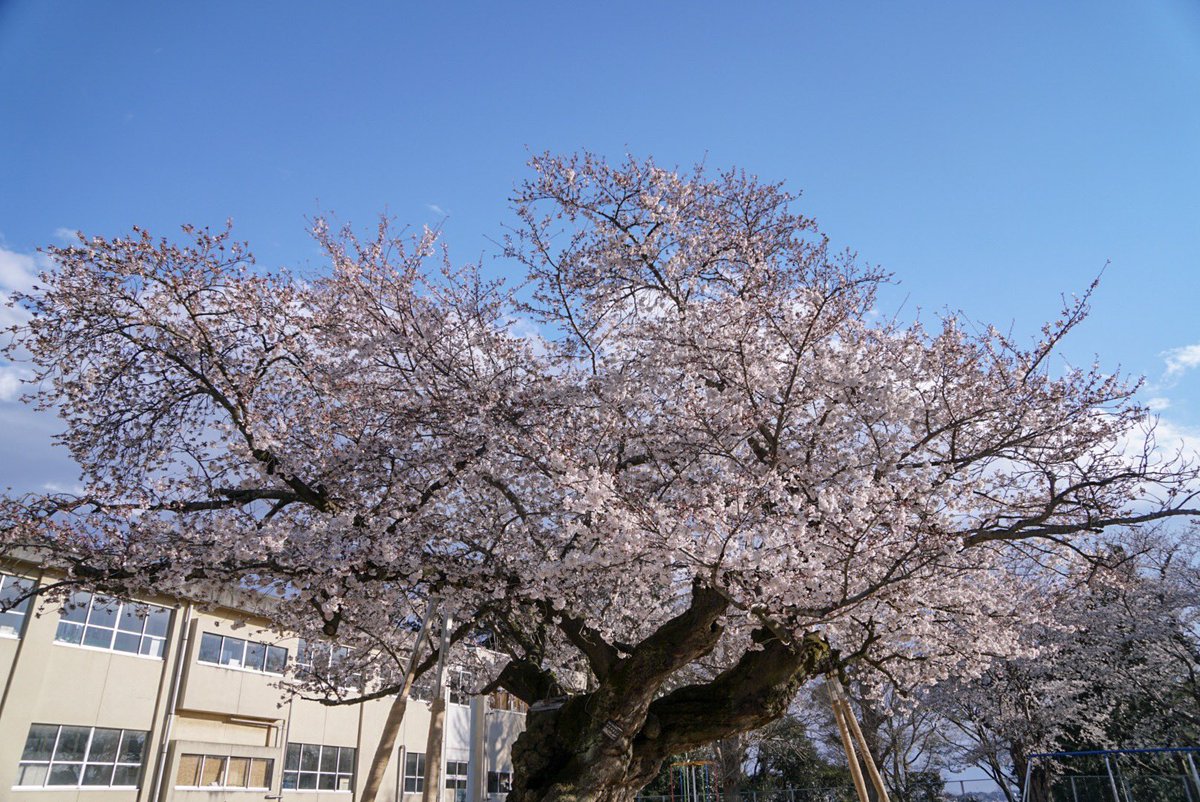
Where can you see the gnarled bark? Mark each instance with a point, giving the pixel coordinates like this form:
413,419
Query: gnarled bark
605,745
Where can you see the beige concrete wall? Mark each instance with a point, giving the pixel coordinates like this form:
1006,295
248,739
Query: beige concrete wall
8,656
227,690
503,727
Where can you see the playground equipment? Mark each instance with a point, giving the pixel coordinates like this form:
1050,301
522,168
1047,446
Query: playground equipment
1166,774
695,781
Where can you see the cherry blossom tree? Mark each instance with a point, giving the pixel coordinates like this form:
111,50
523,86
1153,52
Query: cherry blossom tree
681,472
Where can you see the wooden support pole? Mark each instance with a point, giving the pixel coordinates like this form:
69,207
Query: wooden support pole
860,785
868,758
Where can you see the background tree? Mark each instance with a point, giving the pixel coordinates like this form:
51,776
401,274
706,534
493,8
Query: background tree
710,475
1115,668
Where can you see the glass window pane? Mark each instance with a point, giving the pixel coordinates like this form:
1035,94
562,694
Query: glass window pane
104,612
260,773
64,774
343,783
158,619
210,648
33,774
256,653
69,632
308,781
127,642
291,760
11,623
131,619
98,775
39,745
309,757
98,637
189,771
132,746
10,588
232,650
104,745
72,743
346,760
325,782
78,605
126,775
329,758
152,646
238,772
289,780
276,659
213,771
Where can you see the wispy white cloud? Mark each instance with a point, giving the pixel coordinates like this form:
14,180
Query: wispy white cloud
67,236
1158,404
62,487
10,383
1174,438
18,271
1181,360
438,210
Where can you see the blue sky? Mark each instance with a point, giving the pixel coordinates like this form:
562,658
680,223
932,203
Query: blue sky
993,155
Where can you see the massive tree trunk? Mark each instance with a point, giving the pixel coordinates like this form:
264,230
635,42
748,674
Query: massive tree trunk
604,746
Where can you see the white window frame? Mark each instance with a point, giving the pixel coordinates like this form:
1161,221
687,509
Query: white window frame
417,778
84,763
225,772
457,683
95,600
241,665
459,780
22,609
322,751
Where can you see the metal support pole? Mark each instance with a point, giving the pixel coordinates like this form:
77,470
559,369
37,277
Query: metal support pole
1112,781
1074,792
1192,768
1121,777
1028,775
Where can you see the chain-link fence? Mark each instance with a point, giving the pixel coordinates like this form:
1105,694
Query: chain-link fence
952,791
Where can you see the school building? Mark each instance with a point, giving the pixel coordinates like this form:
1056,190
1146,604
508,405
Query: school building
157,700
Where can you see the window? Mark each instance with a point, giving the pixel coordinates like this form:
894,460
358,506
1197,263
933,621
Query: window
461,684
503,700
309,767
414,773
315,656
499,782
223,771
223,650
423,688
323,661
456,778
81,757
13,618
107,623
